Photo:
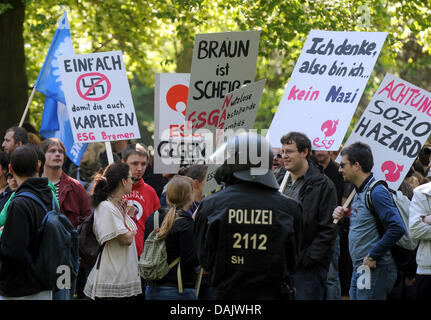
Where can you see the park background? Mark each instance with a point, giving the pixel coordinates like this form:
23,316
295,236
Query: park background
158,36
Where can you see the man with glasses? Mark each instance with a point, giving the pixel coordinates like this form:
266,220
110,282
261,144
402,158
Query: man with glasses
367,248
316,192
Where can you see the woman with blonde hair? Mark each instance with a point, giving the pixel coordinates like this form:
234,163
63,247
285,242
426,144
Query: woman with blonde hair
115,274
177,231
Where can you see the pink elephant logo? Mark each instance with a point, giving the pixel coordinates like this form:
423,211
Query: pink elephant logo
391,170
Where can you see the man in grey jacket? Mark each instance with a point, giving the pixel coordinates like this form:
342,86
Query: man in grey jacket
374,269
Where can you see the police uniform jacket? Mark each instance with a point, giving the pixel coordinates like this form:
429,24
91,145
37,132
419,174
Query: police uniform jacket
247,237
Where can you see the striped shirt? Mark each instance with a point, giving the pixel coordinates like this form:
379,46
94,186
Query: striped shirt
57,188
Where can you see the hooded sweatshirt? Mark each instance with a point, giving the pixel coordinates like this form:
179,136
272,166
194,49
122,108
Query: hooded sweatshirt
20,241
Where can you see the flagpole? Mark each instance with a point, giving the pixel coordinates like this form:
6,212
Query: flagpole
27,107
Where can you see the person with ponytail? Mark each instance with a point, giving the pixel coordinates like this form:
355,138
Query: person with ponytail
198,173
177,230
117,276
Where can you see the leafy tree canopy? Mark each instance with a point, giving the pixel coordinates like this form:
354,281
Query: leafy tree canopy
158,36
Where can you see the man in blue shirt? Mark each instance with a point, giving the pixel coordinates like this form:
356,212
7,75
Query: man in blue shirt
374,269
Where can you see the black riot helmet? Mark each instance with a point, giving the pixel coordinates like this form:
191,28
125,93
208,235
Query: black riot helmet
247,157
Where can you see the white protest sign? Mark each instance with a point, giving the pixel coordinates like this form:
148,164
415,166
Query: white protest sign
222,63
170,102
325,86
238,111
98,97
395,124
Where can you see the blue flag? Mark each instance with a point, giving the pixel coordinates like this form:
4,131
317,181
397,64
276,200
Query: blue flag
55,120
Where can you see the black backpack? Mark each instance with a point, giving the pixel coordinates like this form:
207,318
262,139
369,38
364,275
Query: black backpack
403,255
89,247
58,245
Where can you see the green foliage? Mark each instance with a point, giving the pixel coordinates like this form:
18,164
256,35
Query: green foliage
4,7
159,36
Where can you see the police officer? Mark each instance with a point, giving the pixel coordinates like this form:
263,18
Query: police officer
247,234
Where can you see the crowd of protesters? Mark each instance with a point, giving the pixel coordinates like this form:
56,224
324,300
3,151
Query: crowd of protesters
126,195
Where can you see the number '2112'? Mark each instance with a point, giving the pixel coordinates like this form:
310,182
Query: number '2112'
245,241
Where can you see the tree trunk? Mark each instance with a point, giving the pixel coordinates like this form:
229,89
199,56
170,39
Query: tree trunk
13,79
184,58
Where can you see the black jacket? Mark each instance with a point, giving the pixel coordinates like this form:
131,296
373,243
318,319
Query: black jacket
248,238
331,171
20,240
318,197
179,243
156,180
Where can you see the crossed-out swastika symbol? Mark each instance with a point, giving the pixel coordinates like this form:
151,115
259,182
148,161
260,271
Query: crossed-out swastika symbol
87,83
92,86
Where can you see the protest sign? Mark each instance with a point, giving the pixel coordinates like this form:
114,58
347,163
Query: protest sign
325,86
98,97
238,111
395,124
170,102
221,63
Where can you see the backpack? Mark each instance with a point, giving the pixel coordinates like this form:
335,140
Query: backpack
153,263
89,247
405,249
58,245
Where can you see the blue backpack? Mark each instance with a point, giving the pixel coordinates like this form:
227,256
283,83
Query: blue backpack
58,246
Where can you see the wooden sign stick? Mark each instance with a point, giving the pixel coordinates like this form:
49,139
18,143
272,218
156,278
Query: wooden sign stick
347,203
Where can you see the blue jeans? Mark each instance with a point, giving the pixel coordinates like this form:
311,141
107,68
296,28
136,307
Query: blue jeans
206,292
65,294
375,286
156,292
310,283
333,285
62,294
